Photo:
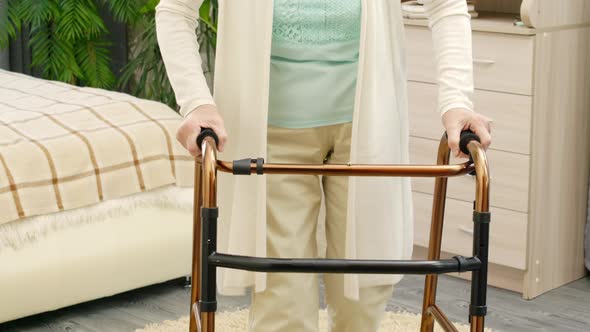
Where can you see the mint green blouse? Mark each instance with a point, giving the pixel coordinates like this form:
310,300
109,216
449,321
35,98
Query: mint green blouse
314,61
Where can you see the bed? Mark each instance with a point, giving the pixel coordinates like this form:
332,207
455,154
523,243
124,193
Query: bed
95,195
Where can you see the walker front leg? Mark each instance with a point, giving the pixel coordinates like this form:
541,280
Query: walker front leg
195,320
434,245
204,292
481,232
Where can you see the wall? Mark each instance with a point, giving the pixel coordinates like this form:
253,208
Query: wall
587,239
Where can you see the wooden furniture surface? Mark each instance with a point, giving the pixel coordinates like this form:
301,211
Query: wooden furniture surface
534,82
555,15
542,14
495,69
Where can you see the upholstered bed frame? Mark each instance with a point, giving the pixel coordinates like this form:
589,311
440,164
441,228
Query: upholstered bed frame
95,260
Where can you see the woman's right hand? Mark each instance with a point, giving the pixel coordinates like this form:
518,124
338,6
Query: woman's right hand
204,116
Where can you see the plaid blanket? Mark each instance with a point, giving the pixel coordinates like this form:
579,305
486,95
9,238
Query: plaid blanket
64,147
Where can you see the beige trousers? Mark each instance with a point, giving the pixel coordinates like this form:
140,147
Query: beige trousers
290,302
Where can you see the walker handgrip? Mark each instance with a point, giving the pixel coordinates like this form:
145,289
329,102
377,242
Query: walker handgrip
207,132
466,137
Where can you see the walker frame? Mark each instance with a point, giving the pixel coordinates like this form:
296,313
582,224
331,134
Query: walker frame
206,258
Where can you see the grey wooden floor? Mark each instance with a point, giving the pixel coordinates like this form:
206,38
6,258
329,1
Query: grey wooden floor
564,309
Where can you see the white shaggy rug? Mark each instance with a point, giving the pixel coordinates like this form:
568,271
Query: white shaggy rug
17,234
237,321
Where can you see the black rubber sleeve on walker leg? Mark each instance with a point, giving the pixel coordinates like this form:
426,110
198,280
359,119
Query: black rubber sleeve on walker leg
482,217
475,310
479,278
208,300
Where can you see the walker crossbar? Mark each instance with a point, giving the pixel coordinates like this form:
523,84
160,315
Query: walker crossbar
345,266
206,259
257,166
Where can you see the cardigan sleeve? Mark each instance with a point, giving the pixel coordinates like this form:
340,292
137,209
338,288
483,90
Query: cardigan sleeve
450,23
176,22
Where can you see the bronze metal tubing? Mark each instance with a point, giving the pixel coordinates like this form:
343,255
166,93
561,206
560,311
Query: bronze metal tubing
436,229
482,199
205,196
208,320
194,324
482,189
209,165
477,324
442,319
209,188
359,170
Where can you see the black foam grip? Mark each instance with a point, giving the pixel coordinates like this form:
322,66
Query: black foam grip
207,132
466,137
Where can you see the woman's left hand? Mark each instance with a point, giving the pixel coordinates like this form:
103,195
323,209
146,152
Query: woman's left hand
457,120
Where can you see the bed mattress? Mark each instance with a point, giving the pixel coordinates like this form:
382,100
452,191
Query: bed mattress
64,147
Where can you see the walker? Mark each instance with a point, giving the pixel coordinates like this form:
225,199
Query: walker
206,259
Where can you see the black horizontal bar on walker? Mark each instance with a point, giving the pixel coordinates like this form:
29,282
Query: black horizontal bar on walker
289,265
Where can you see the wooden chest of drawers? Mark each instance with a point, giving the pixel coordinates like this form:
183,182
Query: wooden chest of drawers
494,68
530,82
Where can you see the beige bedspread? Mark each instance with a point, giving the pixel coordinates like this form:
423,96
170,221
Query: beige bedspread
64,147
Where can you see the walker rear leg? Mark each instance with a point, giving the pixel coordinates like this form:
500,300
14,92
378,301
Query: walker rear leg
434,245
434,248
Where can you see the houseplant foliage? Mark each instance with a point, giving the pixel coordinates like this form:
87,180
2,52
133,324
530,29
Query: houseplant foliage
67,37
145,74
68,42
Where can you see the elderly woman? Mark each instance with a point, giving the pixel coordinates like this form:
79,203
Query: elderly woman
314,81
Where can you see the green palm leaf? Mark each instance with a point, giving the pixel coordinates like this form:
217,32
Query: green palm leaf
145,75
126,11
94,60
36,11
79,19
10,23
54,54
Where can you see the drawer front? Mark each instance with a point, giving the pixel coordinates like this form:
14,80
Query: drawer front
511,113
509,176
507,231
501,62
